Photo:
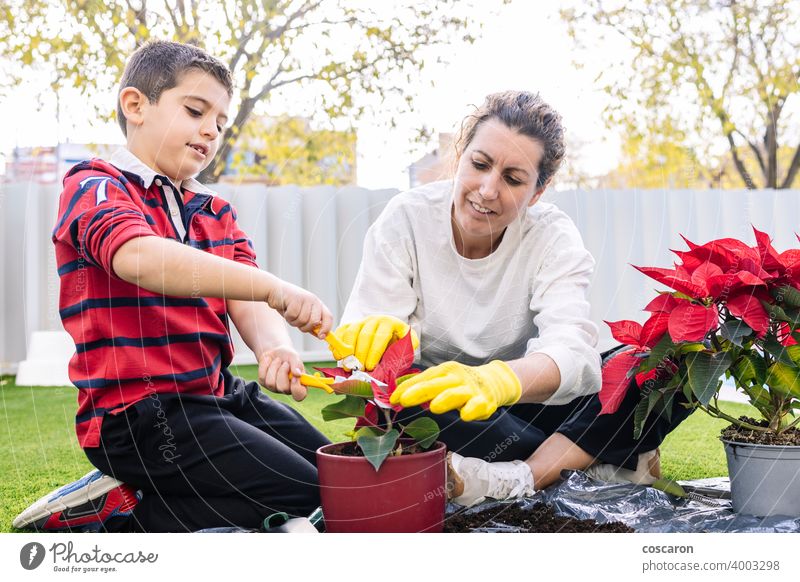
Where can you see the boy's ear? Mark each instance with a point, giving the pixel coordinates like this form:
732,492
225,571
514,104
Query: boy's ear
132,102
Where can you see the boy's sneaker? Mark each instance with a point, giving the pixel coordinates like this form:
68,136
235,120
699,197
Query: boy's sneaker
83,506
648,470
470,481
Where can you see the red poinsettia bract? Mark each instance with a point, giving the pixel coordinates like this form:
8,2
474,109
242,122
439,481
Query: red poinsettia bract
720,278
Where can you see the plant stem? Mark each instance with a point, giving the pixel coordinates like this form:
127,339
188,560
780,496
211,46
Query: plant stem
793,424
714,411
388,417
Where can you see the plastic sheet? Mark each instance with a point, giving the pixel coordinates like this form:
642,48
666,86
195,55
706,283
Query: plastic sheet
643,508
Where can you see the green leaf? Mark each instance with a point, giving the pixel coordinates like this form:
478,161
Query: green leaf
643,410
784,379
424,430
734,331
663,349
640,414
347,407
354,388
750,368
377,448
774,311
665,405
778,351
789,295
704,371
794,353
688,348
670,487
760,398
367,431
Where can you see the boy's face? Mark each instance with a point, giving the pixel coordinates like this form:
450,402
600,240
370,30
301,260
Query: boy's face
179,135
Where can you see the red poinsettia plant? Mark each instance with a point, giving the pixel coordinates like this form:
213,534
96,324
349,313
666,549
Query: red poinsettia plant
366,396
733,311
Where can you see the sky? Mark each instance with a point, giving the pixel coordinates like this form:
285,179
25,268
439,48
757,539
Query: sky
522,45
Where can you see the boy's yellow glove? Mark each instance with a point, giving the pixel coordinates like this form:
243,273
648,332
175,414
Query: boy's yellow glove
477,391
371,336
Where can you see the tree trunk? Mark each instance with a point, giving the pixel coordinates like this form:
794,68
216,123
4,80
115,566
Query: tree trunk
771,147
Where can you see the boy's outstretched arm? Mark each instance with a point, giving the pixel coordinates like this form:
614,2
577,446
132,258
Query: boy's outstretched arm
171,268
265,333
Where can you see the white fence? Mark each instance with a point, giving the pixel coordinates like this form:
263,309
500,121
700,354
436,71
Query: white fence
313,237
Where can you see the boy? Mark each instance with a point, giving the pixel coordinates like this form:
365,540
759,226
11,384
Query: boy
152,267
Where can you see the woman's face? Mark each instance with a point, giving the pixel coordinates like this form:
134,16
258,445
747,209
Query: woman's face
495,183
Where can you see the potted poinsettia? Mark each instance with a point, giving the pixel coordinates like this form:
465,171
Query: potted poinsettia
391,476
732,311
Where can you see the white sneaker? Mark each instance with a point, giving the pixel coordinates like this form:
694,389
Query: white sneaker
470,481
648,470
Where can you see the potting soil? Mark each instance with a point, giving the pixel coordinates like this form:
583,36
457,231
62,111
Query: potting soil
790,437
523,517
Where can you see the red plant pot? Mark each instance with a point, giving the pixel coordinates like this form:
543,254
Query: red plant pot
406,495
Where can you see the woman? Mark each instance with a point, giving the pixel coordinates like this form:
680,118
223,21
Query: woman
495,283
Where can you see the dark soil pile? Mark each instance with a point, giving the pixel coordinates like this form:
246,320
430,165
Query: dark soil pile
538,519
790,437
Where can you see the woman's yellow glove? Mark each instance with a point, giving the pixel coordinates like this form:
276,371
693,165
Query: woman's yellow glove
477,391
371,336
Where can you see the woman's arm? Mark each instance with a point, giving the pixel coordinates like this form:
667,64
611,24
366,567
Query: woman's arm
561,313
539,376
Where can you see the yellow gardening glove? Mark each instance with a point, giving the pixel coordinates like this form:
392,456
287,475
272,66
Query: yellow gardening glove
476,390
372,335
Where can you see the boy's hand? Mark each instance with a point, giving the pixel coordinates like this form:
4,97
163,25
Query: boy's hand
273,372
301,309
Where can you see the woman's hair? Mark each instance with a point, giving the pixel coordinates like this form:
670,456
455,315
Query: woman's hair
527,114
158,65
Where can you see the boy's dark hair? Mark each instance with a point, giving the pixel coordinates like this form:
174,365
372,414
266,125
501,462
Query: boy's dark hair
528,114
158,65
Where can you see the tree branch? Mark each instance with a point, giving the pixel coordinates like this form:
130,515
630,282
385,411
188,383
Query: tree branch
740,167
171,14
140,16
264,27
756,151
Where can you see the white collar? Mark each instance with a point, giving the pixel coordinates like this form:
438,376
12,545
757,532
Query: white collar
126,161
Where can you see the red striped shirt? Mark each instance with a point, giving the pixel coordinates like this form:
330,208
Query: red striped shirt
130,342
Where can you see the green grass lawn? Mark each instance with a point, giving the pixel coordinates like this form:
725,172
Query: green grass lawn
39,451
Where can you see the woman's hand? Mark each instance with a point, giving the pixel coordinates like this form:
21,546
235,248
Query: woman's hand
477,391
371,336
273,372
301,309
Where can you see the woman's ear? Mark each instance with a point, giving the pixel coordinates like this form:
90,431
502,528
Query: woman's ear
538,194
132,102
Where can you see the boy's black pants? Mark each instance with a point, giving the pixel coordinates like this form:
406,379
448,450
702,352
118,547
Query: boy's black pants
203,461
